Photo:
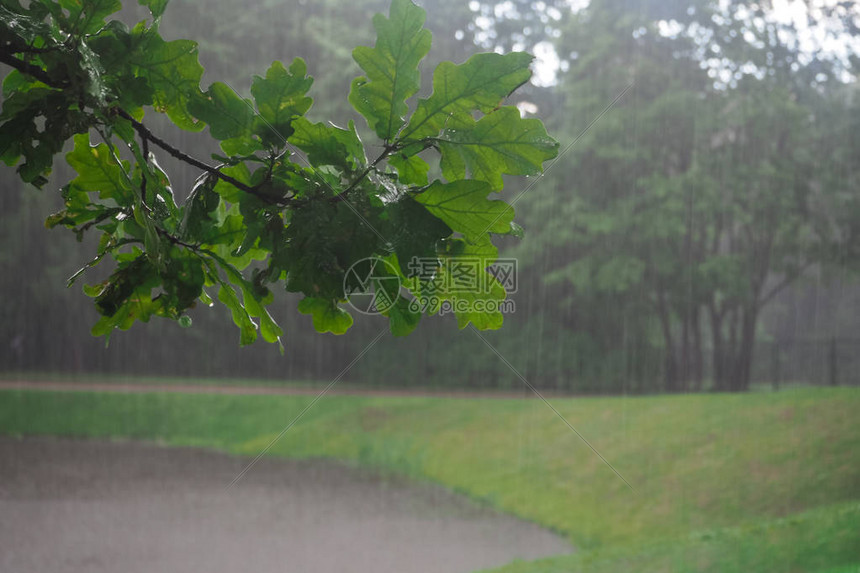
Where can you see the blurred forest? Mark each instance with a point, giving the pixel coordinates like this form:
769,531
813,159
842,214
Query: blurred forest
699,231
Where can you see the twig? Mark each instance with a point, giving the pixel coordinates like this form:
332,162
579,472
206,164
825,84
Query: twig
7,58
146,134
107,214
176,241
145,148
385,153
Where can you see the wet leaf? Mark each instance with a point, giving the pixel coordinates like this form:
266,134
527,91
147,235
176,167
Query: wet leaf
463,206
479,84
500,142
98,170
391,67
327,316
280,97
173,73
227,115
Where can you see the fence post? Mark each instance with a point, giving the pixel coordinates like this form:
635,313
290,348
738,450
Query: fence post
834,374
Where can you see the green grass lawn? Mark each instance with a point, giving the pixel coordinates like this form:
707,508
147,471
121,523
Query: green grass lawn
758,482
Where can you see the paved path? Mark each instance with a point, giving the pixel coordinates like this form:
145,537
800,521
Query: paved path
342,390
83,506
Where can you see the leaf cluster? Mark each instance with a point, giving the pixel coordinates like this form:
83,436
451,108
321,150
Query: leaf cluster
287,200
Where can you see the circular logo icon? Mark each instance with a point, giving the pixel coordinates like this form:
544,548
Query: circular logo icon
371,285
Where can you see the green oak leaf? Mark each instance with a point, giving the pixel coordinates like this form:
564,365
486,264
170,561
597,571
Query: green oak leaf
15,81
481,309
228,191
113,47
156,7
474,294
199,221
391,67
227,115
35,123
413,232
254,303
91,66
323,240
88,16
463,206
500,142
247,327
480,83
80,210
402,319
328,144
173,73
98,170
268,327
327,315
165,203
134,279
140,307
16,20
411,169
241,146
182,280
280,97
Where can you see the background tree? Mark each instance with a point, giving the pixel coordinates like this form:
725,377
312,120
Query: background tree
699,197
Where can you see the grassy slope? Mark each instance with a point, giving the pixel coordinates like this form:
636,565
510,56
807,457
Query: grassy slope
723,482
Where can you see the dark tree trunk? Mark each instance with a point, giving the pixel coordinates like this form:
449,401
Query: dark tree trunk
717,351
734,344
720,356
684,358
744,354
698,359
670,369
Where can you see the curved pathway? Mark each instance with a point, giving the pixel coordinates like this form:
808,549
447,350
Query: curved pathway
83,506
